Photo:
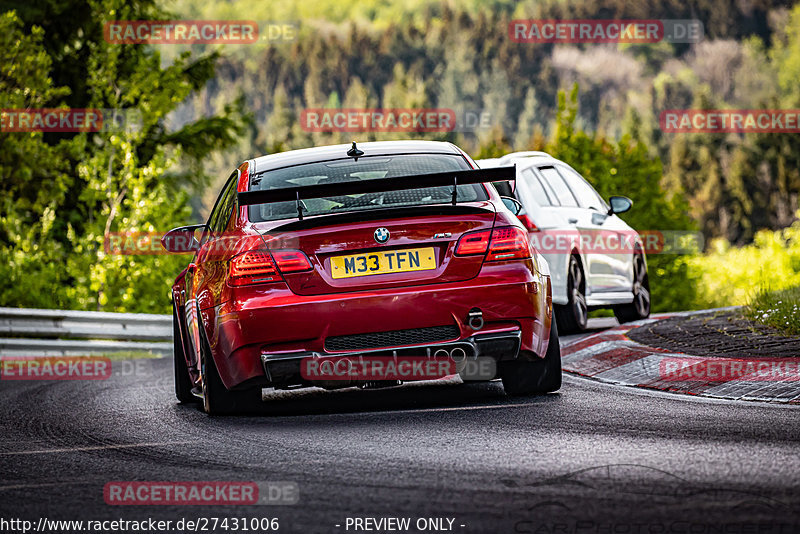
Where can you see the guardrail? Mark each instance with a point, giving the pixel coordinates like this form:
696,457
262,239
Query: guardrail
35,332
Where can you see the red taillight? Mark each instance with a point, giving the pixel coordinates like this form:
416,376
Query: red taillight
291,261
261,266
473,243
508,243
524,219
252,267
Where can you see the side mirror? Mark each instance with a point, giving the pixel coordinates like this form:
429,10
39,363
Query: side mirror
513,204
181,240
619,205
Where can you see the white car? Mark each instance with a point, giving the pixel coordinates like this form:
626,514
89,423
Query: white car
596,260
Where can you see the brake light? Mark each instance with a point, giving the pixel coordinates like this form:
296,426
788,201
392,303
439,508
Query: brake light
508,243
291,261
473,243
252,267
524,219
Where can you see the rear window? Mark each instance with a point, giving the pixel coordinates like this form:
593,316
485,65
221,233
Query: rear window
366,168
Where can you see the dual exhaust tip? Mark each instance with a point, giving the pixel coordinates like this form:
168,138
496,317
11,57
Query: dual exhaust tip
459,355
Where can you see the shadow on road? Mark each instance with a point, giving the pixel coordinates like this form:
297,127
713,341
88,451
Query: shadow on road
441,395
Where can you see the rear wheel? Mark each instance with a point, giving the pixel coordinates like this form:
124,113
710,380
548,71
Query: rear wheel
217,399
573,316
640,307
183,386
522,377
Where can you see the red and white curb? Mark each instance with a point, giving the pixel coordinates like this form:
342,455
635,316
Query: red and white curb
611,356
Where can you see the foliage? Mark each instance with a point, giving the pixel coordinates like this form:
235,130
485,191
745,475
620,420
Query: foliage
720,17
62,193
458,55
31,271
390,53
779,309
731,276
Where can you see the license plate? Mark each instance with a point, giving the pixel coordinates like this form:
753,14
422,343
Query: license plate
383,262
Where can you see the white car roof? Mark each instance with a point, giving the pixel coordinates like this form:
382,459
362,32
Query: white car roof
520,158
488,163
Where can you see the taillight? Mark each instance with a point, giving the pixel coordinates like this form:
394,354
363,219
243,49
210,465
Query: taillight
473,243
291,261
524,219
252,267
261,266
508,243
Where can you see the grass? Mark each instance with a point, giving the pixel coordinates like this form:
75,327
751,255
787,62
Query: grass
779,309
603,312
131,355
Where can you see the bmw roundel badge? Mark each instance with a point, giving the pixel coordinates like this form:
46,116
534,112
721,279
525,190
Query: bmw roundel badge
381,235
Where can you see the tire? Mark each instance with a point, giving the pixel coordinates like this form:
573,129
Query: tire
640,307
217,399
183,386
573,316
543,375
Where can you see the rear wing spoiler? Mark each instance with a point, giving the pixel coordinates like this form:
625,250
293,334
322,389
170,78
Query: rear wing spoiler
378,185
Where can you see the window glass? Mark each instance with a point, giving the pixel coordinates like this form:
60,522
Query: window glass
551,194
587,196
366,168
220,215
504,189
228,203
536,188
559,186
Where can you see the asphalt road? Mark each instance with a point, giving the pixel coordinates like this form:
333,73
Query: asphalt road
593,458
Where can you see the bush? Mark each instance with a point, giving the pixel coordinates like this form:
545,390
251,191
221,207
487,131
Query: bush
730,276
779,309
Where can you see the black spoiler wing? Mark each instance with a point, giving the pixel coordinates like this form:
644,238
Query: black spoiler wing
378,185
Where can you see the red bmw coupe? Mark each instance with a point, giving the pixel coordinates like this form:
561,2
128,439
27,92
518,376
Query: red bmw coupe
399,249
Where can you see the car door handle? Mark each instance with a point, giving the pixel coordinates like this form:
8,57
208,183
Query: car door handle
572,220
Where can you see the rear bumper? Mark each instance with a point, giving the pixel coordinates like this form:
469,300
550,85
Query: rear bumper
285,368
514,299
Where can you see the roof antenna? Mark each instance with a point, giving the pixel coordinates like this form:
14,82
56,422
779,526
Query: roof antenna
355,152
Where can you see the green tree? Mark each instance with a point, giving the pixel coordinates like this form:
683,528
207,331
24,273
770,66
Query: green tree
95,183
32,192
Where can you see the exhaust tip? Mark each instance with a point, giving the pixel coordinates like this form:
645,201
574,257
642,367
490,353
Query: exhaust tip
458,355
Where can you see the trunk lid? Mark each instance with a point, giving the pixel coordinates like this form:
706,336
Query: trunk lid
346,256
